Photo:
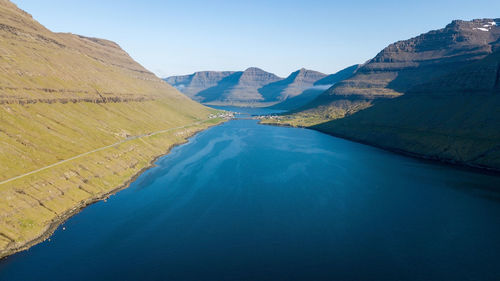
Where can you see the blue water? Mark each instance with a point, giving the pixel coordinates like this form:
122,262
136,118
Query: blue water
242,201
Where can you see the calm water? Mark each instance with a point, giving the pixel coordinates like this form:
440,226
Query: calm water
243,201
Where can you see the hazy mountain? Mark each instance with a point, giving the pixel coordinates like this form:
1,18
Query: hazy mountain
239,88
194,83
65,96
343,74
316,89
291,86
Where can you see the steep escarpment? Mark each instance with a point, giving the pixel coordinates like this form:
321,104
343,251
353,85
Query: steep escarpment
194,83
78,119
405,64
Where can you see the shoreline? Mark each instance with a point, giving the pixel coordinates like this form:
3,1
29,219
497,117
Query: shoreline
432,159
58,221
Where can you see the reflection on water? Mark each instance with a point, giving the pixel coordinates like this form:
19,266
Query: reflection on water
243,201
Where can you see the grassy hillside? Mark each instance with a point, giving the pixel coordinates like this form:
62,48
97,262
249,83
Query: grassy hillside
78,119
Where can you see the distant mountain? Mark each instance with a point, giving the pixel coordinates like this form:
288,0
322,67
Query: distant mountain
315,90
291,86
239,88
407,63
194,83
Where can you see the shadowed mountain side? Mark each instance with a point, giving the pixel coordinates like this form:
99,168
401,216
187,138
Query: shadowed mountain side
299,100
343,74
405,64
291,86
320,86
454,118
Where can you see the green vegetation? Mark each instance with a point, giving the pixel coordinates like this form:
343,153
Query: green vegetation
64,96
29,205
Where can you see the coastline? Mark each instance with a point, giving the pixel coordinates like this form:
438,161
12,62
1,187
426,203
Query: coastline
434,159
59,220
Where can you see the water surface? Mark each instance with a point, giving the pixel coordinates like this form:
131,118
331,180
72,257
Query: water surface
242,201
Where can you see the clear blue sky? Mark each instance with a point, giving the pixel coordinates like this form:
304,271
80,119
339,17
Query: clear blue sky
183,36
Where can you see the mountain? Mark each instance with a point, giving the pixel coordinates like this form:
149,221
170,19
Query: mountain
315,90
291,86
239,88
197,82
434,96
453,118
78,119
404,64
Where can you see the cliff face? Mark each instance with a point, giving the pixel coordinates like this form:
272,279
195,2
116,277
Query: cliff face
405,64
192,84
78,119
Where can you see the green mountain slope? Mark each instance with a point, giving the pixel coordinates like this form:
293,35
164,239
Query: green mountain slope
78,119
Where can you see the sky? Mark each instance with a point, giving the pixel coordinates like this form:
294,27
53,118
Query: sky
184,36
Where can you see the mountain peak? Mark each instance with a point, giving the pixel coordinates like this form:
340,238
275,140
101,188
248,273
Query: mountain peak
253,69
306,75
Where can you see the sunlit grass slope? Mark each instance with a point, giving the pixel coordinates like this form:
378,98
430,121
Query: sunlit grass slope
63,96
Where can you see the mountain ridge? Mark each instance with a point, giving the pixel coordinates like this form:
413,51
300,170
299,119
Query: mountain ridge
407,63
